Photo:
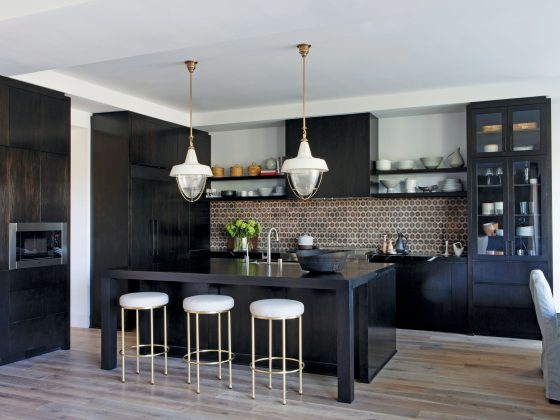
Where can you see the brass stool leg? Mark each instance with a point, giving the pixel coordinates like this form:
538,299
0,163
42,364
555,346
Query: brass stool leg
300,361
229,346
165,338
137,341
253,353
270,353
284,361
197,359
189,347
122,342
220,346
152,342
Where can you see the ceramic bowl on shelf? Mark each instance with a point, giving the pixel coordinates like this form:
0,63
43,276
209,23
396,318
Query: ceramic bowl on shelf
491,148
405,164
431,162
390,183
264,191
383,165
490,228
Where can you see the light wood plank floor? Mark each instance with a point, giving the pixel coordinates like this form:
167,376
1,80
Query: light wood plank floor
434,375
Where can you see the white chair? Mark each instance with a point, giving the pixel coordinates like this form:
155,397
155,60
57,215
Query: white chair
548,319
144,301
276,310
208,305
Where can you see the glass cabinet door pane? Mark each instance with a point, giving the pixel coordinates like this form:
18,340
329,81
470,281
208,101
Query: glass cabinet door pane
526,130
489,127
526,208
490,178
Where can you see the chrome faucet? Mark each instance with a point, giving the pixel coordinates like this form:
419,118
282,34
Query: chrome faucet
268,251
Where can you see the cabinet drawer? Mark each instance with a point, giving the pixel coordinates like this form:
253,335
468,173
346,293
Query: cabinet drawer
36,278
33,303
34,336
521,323
506,273
498,296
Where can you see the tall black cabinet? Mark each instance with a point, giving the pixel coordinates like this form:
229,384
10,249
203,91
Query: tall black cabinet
34,187
138,214
344,141
509,212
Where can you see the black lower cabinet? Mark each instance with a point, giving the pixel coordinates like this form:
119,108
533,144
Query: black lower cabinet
501,299
35,316
431,295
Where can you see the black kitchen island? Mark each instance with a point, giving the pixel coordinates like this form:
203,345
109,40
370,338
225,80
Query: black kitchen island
348,324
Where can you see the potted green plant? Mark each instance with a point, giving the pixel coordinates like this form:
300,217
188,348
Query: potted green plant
242,229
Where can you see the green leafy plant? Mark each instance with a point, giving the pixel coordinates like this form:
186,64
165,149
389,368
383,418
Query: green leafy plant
242,228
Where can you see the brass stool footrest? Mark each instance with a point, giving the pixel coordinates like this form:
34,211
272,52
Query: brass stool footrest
136,356
194,362
276,372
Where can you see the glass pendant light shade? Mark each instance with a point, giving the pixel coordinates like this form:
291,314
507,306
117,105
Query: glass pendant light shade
191,175
304,172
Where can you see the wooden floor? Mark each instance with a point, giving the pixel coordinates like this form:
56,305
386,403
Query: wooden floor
433,375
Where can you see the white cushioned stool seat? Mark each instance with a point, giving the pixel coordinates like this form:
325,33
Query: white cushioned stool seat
208,303
276,308
140,300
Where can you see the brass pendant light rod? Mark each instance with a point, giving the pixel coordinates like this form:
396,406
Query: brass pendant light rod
304,50
191,65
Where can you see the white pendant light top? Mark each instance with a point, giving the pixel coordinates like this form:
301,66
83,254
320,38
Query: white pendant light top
191,175
304,160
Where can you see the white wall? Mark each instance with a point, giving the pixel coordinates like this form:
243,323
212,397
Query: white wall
80,218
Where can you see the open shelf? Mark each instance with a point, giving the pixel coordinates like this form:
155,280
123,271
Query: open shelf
246,177
270,197
420,171
420,194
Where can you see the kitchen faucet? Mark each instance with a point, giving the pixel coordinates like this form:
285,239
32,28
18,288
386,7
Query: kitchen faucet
268,251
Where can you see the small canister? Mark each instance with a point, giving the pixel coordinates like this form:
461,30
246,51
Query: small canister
217,171
253,169
236,170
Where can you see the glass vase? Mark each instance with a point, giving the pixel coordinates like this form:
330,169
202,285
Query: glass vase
240,244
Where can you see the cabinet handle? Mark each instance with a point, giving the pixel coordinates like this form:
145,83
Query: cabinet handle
157,236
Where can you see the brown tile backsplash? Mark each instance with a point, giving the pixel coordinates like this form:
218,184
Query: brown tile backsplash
348,223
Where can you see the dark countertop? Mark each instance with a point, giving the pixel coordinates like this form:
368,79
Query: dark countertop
395,258
235,271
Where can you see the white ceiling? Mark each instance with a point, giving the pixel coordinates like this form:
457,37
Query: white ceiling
247,55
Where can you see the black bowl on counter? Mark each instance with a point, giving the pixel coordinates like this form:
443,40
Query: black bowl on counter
229,193
321,260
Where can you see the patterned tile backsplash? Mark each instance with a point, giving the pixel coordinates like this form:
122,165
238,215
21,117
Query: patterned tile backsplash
348,223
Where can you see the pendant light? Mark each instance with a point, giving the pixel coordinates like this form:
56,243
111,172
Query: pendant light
191,175
304,171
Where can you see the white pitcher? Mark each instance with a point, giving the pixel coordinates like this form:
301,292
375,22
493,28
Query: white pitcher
458,249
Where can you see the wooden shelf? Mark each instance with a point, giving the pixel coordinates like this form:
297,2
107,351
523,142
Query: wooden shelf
246,178
421,195
420,171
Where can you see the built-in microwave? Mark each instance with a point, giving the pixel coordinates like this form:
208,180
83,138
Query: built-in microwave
37,245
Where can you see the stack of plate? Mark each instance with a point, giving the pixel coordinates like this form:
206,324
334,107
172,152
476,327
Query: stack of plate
452,185
525,231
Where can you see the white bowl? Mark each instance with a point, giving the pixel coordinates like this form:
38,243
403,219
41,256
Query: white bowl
390,183
491,148
405,164
265,191
431,162
383,165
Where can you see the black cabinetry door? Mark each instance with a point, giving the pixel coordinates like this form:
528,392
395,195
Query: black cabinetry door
152,143
4,116
4,207
344,142
39,122
55,195
4,313
24,185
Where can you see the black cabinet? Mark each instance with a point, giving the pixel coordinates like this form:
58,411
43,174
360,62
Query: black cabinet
344,142
35,187
510,226
431,295
38,121
138,213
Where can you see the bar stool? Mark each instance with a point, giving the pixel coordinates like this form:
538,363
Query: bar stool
208,305
276,310
143,301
